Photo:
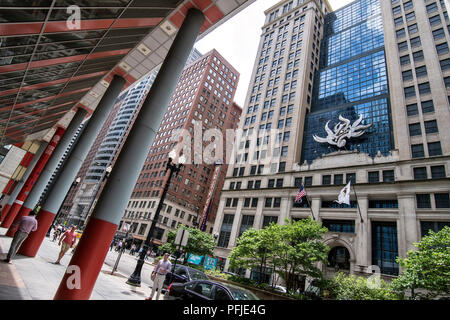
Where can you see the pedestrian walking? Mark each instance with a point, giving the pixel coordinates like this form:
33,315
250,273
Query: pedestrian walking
147,255
133,249
113,243
140,251
26,224
56,233
159,275
119,246
68,241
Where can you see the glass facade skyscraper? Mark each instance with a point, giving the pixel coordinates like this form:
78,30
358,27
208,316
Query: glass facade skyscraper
359,94
352,81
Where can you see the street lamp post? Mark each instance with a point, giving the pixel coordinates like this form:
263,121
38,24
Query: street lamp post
135,278
75,183
122,249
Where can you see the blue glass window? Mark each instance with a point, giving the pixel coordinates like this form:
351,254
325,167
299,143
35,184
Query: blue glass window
385,247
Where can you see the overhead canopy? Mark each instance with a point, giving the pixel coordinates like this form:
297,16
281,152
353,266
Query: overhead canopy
52,63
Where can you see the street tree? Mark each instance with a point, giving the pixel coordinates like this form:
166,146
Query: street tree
426,271
199,242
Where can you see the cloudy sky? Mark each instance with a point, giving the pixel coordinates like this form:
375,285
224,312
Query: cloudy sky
237,40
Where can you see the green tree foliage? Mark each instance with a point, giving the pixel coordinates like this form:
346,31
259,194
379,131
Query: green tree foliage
426,271
199,242
344,287
291,250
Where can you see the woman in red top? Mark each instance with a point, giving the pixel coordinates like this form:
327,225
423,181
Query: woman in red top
68,240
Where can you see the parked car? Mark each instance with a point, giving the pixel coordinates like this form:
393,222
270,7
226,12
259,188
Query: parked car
280,289
182,274
207,290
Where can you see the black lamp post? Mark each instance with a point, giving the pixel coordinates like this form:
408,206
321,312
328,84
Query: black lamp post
135,278
75,183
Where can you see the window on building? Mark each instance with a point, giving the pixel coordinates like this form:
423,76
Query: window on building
423,201
417,151
282,167
424,88
383,204
414,129
415,42
279,183
407,75
326,179
267,220
350,177
435,20
246,223
438,34
421,71
431,127
225,230
409,92
412,110
338,179
437,172
374,177
347,226
298,182
420,173
418,56
388,176
445,64
385,247
435,226
427,106
308,181
442,200
442,48
434,149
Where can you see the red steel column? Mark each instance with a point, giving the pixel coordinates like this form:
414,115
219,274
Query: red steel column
8,220
91,251
63,182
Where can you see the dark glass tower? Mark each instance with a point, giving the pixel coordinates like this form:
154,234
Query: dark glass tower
352,81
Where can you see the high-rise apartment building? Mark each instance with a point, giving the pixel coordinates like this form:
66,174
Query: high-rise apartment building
202,103
360,94
107,146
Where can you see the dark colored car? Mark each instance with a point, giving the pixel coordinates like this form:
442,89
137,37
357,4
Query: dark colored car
207,290
182,274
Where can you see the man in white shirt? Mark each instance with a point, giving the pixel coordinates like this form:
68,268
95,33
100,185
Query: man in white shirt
162,268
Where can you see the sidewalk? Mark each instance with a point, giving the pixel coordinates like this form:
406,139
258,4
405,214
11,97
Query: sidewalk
38,279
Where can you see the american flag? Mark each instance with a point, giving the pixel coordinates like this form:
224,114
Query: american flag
301,193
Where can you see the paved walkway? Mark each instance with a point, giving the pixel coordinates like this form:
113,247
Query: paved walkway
38,278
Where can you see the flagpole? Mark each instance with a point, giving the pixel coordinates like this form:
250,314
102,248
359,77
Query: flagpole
310,207
357,203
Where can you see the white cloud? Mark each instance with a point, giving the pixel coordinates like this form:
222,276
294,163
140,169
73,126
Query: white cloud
237,40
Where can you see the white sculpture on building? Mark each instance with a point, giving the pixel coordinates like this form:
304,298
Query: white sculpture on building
342,131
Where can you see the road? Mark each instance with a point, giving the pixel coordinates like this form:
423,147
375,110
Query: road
127,265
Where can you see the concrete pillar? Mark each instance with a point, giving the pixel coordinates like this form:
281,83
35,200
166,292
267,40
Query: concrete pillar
285,208
20,184
315,206
362,241
219,217
71,167
236,224
50,167
408,231
93,246
259,213
23,194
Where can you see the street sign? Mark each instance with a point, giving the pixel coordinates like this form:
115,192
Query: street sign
210,262
195,259
182,237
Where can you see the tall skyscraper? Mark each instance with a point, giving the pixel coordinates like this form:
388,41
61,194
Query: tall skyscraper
107,146
202,103
360,94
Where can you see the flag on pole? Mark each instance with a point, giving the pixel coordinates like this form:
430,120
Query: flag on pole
344,195
301,193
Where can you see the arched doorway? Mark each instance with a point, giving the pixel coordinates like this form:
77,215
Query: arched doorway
339,258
